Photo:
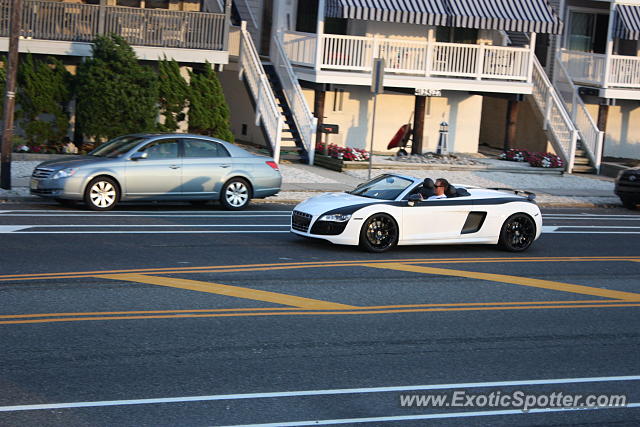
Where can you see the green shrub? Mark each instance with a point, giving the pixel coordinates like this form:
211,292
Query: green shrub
173,93
116,94
208,110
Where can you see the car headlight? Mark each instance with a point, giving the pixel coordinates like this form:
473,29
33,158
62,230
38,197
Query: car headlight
335,217
64,173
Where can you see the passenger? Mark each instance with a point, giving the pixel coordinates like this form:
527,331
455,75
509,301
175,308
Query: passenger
428,189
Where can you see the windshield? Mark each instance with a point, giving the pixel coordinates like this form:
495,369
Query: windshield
384,187
117,147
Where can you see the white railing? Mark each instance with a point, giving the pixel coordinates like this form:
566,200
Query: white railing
589,68
625,71
266,105
300,47
584,67
304,120
413,57
589,133
77,22
557,120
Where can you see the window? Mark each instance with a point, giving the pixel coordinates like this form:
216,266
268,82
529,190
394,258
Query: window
162,149
200,148
457,35
587,32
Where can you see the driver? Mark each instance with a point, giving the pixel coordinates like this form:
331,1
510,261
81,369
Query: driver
440,189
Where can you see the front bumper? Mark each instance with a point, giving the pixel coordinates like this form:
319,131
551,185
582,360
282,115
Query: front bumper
342,233
63,188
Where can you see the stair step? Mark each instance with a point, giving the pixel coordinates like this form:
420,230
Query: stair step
580,153
581,160
288,139
583,169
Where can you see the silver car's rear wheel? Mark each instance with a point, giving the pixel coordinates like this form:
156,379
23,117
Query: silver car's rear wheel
236,194
102,194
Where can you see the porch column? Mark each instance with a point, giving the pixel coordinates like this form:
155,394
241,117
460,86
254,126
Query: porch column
532,56
603,116
418,124
319,96
319,34
609,51
510,130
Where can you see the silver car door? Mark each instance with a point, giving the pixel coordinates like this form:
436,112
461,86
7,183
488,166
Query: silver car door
434,219
159,174
205,165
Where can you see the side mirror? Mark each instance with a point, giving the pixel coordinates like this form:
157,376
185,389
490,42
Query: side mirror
139,155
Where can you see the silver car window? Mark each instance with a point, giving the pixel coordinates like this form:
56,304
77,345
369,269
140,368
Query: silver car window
202,148
117,147
162,149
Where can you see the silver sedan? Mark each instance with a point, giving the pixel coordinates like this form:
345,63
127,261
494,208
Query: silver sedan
162,167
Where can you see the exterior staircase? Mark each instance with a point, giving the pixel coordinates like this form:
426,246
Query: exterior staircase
249,11
569,125
291,146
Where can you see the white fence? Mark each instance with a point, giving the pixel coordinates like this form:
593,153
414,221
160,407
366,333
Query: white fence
266,104
557,120
413,57
305,122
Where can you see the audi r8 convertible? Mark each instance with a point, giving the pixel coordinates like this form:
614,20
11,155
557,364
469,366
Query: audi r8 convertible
389,211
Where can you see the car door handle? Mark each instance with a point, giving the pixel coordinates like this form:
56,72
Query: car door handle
225,166
174,167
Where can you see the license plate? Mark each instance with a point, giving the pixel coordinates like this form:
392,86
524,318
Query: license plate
34,184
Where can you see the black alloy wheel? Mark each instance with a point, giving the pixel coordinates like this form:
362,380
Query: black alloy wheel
379,233
518,232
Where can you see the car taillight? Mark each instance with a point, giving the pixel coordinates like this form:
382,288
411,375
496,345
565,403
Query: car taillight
273,165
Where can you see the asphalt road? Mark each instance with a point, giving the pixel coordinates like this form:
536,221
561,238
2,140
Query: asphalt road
179,316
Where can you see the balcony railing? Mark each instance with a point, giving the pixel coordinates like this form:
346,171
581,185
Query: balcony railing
140,27
409,57
590,69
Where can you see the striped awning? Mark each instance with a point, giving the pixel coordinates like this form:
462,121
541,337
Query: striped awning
529,16
627,23
423,12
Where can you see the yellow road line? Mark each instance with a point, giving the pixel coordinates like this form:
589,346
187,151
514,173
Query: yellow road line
524,281
313,264
258,309
309,313
232,291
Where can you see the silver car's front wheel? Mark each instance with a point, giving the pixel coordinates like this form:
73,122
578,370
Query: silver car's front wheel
236,194
102,194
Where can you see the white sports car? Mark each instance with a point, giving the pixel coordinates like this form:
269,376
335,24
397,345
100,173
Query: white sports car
389,211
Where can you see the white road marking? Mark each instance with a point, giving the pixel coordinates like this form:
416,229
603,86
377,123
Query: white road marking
148,225
315,393
147,216
11,228
129,212
429,416
91,232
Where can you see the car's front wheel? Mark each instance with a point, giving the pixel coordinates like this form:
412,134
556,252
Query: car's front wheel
629,203
236,194
518,233
102,194
379,233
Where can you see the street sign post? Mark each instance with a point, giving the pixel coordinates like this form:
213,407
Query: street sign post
377,86
327,129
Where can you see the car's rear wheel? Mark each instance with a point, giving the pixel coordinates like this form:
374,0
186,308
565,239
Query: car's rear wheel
517,233
102,194
379,233
236,194
629,203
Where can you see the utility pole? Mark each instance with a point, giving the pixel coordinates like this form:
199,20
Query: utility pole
10,94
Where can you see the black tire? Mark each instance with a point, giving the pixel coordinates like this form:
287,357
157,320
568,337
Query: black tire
629,203
517,233
236,194
66,203
379,233
102,194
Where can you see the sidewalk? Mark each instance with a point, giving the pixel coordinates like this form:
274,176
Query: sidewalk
302,181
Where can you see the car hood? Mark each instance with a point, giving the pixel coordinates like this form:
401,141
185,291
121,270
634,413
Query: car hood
74,162
318,205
